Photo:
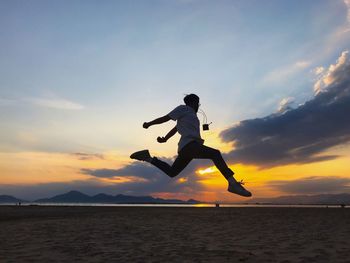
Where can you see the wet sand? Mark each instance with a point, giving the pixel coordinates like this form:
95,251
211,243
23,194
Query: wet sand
161,234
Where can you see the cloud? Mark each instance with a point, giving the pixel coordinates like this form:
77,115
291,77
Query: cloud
91,186
97,185
286,104
55,103
88,156
149,179
136,178
318,71
101,173
281,74
347,3
135,169
298,135
313,185
336,73
333,39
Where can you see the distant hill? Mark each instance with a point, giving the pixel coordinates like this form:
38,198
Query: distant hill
10,199
324,199
70,197
78,197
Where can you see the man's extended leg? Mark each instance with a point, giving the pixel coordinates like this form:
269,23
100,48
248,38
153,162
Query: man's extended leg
200,151
179,164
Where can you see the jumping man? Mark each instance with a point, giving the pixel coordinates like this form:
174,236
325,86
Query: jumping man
190,145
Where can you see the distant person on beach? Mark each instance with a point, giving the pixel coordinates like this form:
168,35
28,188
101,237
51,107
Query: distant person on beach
190,145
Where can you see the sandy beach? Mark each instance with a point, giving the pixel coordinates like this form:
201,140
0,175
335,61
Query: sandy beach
161,234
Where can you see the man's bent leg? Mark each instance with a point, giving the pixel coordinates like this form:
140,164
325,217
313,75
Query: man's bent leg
179,164
204,152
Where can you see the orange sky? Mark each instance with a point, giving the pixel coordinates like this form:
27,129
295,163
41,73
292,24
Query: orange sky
33,168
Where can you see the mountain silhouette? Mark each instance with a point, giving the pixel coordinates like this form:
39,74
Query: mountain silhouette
10,199
70,197
78,197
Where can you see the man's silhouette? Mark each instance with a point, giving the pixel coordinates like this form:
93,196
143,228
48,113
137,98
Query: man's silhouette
190,145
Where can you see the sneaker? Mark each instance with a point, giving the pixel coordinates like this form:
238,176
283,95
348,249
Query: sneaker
141,155
238,189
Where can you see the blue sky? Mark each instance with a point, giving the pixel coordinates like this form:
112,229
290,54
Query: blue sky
82,76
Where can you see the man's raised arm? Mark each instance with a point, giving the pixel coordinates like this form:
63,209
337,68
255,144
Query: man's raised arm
170,134
156,121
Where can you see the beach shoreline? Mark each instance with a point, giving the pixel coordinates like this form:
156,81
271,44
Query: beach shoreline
173,234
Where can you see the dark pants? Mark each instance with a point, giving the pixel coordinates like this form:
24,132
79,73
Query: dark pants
193,150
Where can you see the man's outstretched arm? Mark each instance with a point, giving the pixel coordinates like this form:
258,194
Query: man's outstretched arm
170,134
156,121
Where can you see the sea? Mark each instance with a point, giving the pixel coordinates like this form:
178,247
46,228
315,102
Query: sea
217,205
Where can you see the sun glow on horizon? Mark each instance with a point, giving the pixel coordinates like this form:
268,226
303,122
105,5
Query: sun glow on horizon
182,180
208,170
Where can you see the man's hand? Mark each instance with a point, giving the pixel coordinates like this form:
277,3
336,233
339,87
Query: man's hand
145,125
160,120
161,139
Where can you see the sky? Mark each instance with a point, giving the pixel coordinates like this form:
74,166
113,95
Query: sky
78,79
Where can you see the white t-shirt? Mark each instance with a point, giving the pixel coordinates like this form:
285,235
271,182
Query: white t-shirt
187,125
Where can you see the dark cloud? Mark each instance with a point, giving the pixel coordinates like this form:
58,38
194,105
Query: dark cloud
154,180
88,156
138,169
145,170
101,173
157,183
298,135
313,185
